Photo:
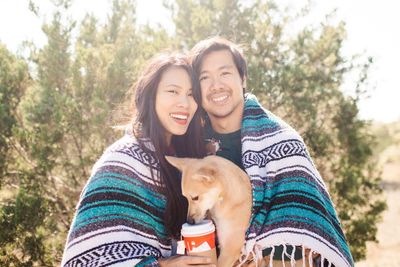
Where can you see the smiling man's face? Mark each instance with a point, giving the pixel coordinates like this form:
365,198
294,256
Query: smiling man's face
221,86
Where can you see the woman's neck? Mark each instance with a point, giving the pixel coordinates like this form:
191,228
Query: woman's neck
168,138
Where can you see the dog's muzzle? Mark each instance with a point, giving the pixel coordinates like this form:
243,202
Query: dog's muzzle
190,220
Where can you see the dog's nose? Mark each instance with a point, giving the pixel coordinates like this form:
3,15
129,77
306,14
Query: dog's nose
190,220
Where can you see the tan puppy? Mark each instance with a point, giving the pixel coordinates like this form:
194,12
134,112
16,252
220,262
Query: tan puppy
218,186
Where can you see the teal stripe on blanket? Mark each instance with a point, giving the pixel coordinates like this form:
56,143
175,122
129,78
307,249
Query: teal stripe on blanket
293,183
107,213
112,205
282,213
295,191
260,124
110,179
303,184
147,262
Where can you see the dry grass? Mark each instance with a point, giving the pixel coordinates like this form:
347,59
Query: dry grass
386,253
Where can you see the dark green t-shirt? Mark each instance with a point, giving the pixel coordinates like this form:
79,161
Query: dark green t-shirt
225,145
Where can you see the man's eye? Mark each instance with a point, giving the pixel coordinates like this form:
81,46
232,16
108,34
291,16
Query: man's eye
225,73
203,78
195,198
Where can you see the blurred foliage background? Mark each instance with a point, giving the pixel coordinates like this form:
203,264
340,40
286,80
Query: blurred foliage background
58,106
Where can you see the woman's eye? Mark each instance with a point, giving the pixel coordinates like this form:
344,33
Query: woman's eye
225,73
195,198
172,91
203,78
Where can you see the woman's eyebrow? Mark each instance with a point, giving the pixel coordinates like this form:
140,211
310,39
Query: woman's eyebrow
173,85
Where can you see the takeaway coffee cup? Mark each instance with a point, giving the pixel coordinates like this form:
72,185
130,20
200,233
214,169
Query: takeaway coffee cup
199,239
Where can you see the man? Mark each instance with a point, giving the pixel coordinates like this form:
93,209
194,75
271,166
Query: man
291,207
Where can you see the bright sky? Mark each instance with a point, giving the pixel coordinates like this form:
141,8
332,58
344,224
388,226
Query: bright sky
372,28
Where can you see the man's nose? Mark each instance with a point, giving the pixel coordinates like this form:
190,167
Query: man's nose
216,84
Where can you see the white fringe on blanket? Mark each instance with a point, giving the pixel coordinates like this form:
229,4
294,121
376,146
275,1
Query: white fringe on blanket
253,252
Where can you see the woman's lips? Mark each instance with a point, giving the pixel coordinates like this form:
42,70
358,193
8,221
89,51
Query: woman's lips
180,117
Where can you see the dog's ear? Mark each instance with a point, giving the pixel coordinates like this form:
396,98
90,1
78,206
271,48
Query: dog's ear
178,163
206,174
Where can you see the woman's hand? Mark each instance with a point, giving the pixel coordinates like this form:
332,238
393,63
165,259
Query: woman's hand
181,260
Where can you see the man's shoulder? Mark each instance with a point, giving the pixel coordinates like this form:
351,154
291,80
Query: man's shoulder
262,121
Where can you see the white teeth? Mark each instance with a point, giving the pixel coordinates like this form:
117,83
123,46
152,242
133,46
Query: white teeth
179,117
219,99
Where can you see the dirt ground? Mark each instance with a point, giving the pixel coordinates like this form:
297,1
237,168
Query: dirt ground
387,252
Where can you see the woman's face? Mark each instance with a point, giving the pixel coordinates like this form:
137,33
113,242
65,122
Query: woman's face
175,105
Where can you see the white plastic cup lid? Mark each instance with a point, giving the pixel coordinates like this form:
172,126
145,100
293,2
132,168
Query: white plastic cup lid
201,228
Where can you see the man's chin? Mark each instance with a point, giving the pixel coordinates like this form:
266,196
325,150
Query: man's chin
219,114
223,111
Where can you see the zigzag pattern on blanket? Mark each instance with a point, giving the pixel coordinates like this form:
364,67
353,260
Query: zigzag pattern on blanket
290,202
285,148
116,252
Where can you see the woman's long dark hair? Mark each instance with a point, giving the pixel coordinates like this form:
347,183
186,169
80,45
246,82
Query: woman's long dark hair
147,125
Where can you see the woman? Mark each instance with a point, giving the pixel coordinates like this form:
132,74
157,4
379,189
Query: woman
132,209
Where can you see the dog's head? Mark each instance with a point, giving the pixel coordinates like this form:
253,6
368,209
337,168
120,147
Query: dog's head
200,185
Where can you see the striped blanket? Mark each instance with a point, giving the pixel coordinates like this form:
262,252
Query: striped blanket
291,205
118,221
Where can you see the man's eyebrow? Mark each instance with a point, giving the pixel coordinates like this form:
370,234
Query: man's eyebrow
225,67
220,68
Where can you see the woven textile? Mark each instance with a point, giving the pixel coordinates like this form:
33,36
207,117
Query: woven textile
291,205
118,221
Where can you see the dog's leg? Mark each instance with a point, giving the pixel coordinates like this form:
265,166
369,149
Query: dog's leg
230,250
231,231
227,259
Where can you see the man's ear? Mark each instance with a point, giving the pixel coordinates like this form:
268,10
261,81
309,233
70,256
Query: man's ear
244,86
178,163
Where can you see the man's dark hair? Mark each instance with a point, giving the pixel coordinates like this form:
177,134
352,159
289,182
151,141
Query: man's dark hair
205,47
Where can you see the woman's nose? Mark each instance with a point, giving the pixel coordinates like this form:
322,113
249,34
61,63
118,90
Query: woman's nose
184,101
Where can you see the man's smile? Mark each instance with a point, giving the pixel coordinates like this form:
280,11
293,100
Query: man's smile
219,98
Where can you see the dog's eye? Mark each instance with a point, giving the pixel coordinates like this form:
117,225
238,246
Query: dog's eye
195,198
